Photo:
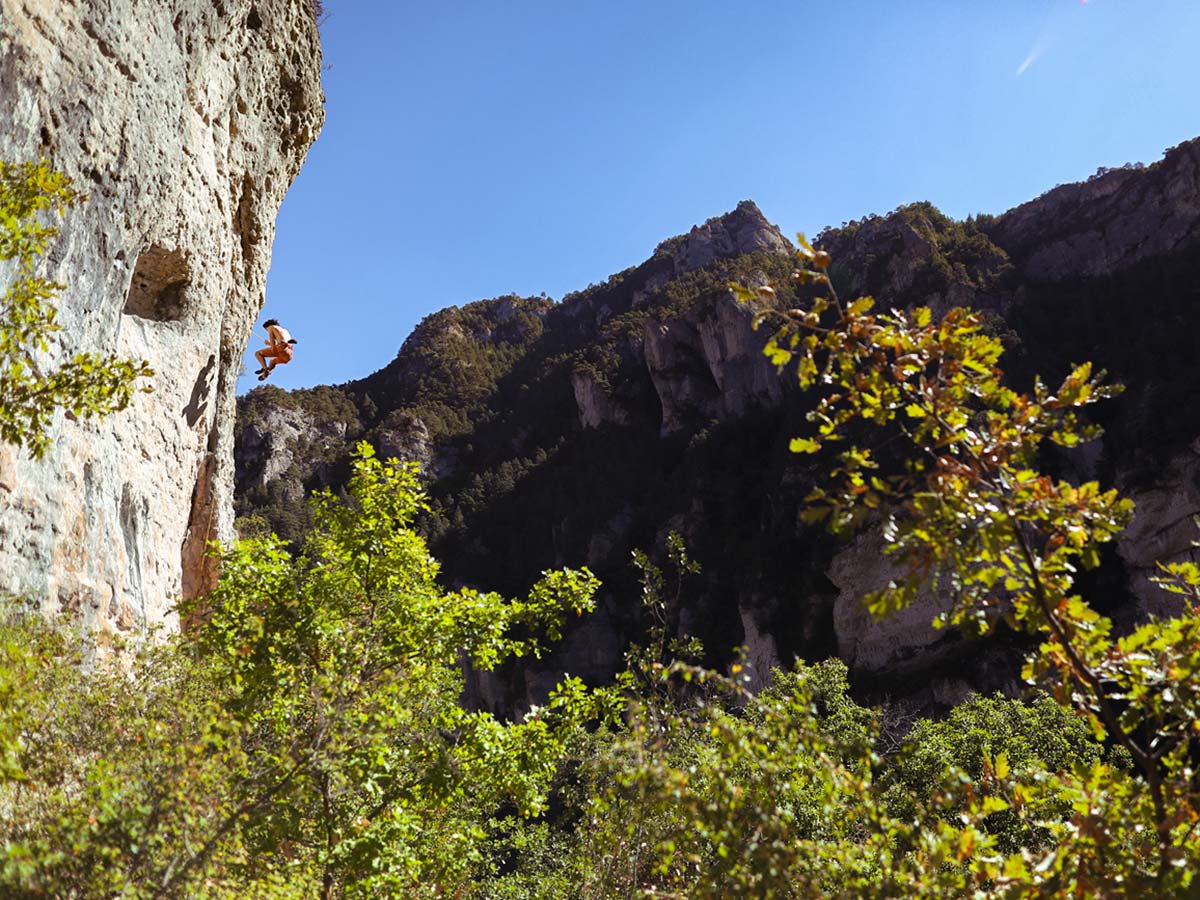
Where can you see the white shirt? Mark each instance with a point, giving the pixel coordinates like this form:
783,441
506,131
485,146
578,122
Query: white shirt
282,336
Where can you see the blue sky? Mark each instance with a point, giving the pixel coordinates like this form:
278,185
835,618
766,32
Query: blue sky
473,149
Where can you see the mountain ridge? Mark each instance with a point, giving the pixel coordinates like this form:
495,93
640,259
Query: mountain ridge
569,433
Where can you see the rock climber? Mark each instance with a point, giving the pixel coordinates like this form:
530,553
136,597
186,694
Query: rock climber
279,349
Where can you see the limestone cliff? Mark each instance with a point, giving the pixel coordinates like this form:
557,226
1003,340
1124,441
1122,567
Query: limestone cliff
707,364
1109,222
186,122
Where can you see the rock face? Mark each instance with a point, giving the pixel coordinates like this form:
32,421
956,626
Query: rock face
186,122
1164,530
917,255
708,364
743,230
272,442
1114,219
596,407
704,359
405,436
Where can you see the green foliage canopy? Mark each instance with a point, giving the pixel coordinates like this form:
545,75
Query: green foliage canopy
966,510
303,738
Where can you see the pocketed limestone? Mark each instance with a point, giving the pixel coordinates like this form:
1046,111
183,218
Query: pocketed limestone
186,123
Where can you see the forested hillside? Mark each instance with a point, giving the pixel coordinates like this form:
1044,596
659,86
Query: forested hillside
306,734
572,433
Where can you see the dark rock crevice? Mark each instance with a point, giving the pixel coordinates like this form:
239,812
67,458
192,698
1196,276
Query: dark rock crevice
157,290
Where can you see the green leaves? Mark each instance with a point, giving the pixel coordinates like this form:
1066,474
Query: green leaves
304,737
87,384
356,634
966,513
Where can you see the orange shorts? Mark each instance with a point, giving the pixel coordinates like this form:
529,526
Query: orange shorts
282,354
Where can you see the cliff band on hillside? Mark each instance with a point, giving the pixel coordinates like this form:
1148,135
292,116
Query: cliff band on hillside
572,433
185,122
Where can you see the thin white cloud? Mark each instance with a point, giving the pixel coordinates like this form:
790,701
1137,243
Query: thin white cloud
1052,24
1029,60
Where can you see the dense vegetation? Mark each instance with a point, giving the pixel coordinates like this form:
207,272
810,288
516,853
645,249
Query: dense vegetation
959,253
524,487
304,737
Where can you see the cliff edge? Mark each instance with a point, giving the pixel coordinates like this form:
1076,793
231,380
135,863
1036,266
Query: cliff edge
186,123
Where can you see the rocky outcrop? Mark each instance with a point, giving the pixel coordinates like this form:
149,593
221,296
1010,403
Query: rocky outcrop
904,654
878,645
743,230
186,123
1114,219
760,649
1095,227
404,436
596,406
268,445
917,255
708,364
285,446
1164,530
448,344
702,357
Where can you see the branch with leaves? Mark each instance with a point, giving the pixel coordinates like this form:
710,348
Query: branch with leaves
965,510
86,384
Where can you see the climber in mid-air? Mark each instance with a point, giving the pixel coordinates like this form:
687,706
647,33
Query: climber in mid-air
279,349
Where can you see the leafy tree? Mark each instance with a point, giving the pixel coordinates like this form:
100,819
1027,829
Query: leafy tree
964,508
348,665
304,736
712,791
87,384
1034,738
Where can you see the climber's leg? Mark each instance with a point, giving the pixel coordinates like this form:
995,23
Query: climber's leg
278,356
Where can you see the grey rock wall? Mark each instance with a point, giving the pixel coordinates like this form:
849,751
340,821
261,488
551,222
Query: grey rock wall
1112,220
742,230
1164,530
186,121
596,407
709,364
